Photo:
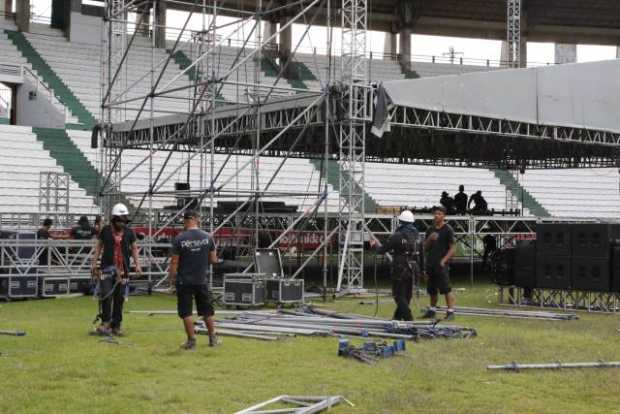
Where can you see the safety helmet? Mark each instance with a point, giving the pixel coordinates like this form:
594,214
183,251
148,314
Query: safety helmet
406,217
120,209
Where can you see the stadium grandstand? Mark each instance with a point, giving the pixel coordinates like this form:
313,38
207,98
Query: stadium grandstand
67,73
285,164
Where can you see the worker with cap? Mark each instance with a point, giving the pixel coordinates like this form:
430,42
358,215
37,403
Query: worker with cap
403,247
192,252
116,244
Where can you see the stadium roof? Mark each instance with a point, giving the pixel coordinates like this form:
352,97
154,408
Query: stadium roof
568,21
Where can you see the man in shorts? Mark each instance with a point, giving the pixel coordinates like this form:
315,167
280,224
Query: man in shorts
192,252
440,246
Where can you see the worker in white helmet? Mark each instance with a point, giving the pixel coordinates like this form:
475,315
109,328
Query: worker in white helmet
404,248
116,243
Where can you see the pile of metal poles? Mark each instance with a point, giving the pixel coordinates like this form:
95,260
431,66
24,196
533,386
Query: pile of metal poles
313,322
514,314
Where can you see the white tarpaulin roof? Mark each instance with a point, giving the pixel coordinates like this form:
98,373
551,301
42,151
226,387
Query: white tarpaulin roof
581,95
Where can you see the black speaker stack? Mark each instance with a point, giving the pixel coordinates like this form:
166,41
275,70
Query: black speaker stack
579,256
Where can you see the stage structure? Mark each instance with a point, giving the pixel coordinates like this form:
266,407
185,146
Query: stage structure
339,110
431,121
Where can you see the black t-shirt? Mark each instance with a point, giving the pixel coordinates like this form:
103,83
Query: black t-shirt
460,200
43,234
107,238
439,248
193,247
83,233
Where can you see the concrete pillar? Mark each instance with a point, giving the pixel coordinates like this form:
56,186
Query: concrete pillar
160,24
269,28
618,52
565,53
143,18
285,48
523,51
406,18
404,35
7,10
503,56
389,46
22,15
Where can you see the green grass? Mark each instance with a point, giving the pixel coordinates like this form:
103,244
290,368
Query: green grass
57,368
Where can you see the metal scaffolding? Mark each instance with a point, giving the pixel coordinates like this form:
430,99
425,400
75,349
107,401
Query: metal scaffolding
513,23
352,144
202,130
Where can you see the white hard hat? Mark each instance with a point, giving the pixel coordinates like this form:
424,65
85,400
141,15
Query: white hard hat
406,216
120,209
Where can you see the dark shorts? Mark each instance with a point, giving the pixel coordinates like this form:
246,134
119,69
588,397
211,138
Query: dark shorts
185,296
438,280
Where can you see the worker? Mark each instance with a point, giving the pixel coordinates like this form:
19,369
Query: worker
403,246
440,246
83,230
116,244
480,204
192,252
447,202
44,234
460,201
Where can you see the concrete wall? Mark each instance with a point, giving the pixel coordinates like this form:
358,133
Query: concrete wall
85,29
39,112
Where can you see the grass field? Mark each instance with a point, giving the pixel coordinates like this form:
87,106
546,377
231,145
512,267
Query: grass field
58,368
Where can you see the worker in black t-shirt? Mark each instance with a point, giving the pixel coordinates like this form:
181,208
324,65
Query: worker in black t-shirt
460,201
192,252
44,234
440,246
83,230
116,244
403,248
480,204
447,202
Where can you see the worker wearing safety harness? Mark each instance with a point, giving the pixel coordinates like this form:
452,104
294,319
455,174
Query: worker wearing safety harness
404,248
116,243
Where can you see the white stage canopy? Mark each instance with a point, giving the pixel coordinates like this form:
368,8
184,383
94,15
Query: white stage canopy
581,95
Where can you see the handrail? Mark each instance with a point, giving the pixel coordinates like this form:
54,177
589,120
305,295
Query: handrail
47,88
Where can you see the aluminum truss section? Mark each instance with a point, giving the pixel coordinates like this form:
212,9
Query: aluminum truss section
513,29
352,145
601,302
54,193
113,81
295,405
449,122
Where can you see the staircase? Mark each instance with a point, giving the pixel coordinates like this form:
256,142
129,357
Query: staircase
333,178
271,68
60,90
69,156
510,182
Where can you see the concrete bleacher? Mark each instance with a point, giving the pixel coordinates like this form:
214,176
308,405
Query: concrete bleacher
79,65
297,175
580,193
22,159
421,186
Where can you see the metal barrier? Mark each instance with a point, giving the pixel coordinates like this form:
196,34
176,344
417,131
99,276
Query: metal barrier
26,263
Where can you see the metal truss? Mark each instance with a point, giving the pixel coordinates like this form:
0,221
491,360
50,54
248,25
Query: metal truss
54,192
439,121
352,145
513,28
603,302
